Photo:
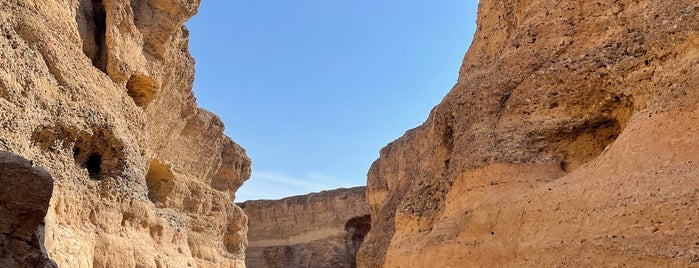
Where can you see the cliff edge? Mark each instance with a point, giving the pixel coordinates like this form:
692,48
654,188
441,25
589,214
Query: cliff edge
569,139
99,93
315,230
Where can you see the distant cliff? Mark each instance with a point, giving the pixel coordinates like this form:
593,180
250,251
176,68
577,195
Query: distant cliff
99,94
316,230
570,139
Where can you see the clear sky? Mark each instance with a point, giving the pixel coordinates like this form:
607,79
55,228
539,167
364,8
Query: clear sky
313,89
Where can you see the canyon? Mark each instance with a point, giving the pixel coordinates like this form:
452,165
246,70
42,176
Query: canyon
569,139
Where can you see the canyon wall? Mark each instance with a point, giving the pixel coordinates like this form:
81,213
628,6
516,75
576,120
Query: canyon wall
569,139
99,94
316,230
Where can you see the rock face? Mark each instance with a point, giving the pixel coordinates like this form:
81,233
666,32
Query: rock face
24,201
99,93
317,230
569,139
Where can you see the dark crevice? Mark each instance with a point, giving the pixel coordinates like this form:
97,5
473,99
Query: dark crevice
448,137
92,26
357,228
99,17
93,164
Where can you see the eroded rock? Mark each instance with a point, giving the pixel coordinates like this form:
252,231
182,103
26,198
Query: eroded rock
585,114
99,92
316,230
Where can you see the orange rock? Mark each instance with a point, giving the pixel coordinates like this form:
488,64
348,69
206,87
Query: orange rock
585,113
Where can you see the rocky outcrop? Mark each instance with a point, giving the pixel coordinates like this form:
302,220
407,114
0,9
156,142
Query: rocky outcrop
316,230
24,201
99,93
569,139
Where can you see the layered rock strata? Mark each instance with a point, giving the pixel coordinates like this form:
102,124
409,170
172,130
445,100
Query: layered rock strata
569,139
316,230
99,93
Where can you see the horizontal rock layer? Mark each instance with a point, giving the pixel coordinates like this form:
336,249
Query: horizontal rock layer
316,230
568,140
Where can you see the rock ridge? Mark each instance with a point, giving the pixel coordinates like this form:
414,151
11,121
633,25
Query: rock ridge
99,93
566,141
322,229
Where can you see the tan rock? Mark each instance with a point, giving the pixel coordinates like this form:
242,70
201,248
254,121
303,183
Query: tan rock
316,230
568,140
24,201
99,92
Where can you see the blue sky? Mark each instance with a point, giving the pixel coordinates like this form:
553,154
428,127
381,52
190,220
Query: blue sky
313,89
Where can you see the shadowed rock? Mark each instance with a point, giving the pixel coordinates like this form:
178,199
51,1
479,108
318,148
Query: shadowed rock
316,230
24,201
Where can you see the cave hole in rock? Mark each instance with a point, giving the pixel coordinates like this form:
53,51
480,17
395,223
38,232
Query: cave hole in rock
98,152
356,228
92,26
585,143
159,180
93,164
89,160
142,89
95,149
581,143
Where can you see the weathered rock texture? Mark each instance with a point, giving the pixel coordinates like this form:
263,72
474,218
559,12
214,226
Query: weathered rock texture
316,230
99,93
569,139
24,201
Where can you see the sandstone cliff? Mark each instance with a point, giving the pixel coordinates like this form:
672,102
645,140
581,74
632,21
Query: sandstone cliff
316,230
99,93
569,139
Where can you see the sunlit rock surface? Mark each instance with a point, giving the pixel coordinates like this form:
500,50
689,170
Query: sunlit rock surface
569,139
99,93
